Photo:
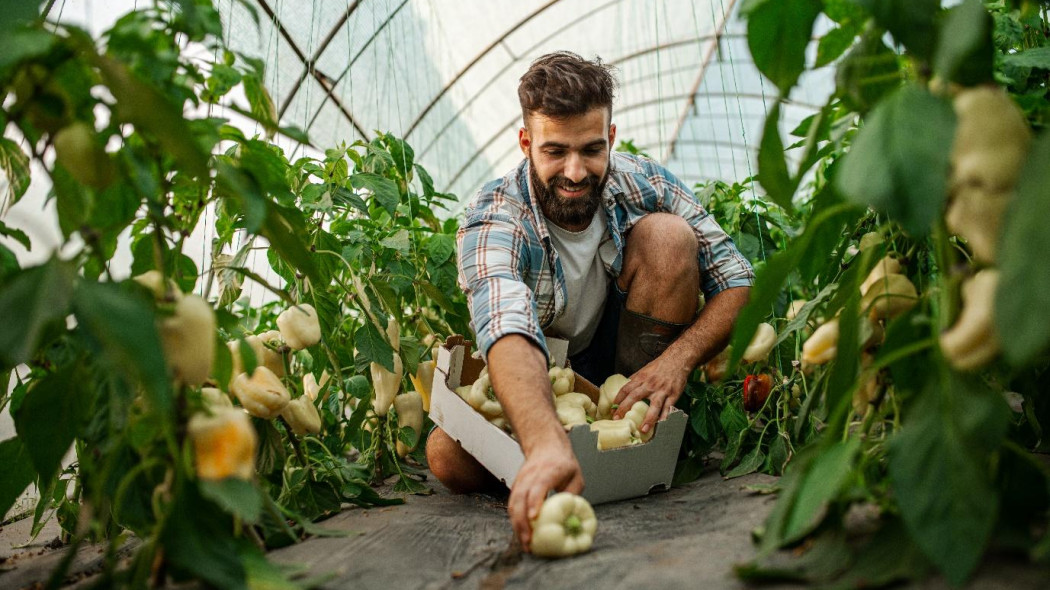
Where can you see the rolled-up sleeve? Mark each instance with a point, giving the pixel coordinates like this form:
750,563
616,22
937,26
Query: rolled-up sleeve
492,261
722,266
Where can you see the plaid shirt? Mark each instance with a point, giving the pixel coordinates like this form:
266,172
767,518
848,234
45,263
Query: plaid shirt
512,275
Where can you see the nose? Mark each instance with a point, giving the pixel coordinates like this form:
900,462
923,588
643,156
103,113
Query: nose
574,169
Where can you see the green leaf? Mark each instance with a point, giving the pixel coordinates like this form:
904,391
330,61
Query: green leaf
868,73
440,247
28,302
17,13
772,166
8,264
383,189
426,181
373,346
778,32
403,155
749,464
124,328
1024,287
235,496
1037,57
821,483
399,241
902,174
285,229
940,471
14,164
16,235
149,110
965,52
911,22
260,103
52,415
198,542
18,472
834,43
23,44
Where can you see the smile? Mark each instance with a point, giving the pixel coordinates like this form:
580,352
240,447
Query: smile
573,193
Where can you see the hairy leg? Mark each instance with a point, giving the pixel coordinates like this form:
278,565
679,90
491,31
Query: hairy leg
661,275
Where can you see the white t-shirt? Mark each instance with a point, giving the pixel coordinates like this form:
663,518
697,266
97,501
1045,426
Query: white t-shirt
586,281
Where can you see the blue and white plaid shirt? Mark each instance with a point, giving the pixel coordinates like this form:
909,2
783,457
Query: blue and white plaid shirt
512,275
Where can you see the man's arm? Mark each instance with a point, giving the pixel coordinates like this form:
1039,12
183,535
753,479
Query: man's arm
519,377
663,380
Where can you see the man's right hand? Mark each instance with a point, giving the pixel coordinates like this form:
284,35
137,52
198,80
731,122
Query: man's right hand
546,469
519,377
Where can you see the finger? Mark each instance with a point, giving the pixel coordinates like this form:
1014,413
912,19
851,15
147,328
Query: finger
516,512
655,407
575,485
667,410
533,502
627,388
639,394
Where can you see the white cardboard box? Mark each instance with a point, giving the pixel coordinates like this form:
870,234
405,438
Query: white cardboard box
610,475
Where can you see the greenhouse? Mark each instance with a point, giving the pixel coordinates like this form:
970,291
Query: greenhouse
519,294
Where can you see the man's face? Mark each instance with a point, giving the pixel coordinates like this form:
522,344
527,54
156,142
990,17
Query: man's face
569,164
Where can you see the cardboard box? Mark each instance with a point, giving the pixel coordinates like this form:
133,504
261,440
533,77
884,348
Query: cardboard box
610,475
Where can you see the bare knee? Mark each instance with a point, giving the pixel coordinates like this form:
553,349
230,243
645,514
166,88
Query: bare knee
455,468
664,247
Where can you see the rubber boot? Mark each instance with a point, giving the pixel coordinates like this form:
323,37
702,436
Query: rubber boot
641,339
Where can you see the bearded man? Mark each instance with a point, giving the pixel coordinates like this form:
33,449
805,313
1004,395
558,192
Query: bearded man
607,250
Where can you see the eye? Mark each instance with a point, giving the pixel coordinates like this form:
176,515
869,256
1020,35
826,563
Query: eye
594,151
555,153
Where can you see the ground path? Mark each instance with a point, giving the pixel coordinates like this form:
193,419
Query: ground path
688,537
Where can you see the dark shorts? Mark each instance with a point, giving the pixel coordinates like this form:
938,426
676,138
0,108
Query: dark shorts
598,361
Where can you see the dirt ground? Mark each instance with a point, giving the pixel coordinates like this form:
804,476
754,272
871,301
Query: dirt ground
688,537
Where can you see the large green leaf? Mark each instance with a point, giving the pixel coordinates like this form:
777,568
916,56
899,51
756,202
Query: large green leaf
1037,57
822,482
383,189
940,468
772,166
51,415
17,13
123,326
778,32
965,53
197,541
372,346
910,21
1024,286
897,170
28,302
8,264
834,43
148,109
18,472
285,227
235,496
870,71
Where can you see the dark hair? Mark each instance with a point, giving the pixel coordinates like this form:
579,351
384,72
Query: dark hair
562,84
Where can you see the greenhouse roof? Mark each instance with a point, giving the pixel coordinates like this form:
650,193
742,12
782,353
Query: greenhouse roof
444,75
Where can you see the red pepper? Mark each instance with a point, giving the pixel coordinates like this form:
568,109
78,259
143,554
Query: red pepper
756,390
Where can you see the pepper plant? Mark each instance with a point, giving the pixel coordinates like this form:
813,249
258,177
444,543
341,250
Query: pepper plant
138,378
922,343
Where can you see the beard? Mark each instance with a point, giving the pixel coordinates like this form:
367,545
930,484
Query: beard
568,211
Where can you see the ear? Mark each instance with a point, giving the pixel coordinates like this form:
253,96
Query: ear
612,136
524,141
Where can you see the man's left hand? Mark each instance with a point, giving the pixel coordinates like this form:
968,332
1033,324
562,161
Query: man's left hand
661,382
